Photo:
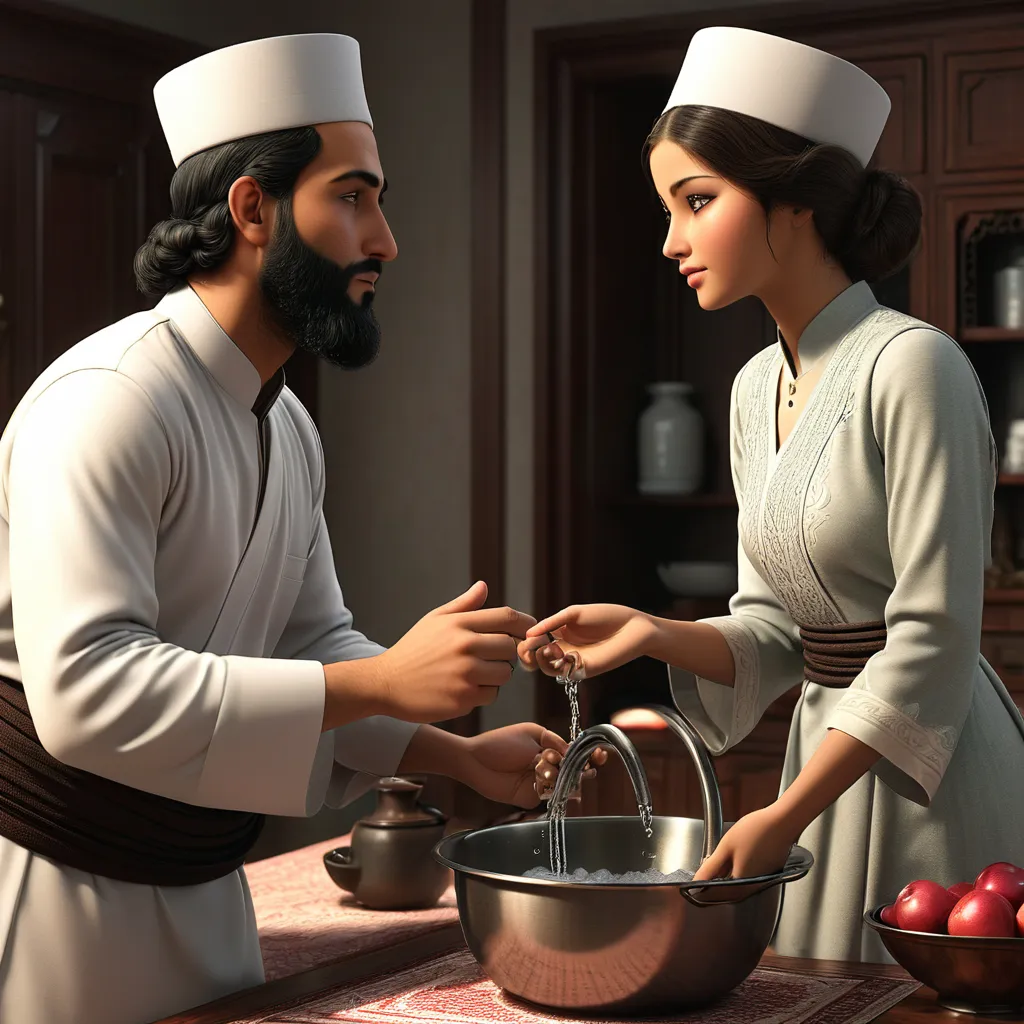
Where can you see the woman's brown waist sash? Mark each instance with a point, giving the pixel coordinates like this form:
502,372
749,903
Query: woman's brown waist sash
835,655
103,827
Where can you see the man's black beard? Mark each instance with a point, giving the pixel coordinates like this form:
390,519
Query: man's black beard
307,296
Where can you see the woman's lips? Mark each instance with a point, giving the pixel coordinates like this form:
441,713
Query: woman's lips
694,277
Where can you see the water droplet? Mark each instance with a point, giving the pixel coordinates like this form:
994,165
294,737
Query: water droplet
537,850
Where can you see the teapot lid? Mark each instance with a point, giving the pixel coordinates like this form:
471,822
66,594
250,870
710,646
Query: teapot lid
397,806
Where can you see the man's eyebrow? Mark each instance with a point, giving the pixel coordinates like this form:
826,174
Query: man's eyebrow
682,181
369,177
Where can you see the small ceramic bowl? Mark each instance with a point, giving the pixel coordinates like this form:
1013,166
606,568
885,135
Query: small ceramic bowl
970,975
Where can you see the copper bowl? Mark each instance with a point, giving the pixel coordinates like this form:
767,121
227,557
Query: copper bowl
970,975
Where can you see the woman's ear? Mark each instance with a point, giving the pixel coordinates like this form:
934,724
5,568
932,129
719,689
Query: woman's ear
250,211
801,215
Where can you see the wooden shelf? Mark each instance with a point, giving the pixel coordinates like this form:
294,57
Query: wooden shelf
1011,480
991,334
725,500
1001,596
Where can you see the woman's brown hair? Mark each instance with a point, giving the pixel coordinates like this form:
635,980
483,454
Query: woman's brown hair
869,220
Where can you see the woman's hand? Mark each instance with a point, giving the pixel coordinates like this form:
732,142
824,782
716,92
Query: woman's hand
758,844
599,636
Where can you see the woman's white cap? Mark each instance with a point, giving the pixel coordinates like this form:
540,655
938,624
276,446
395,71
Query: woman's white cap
787,84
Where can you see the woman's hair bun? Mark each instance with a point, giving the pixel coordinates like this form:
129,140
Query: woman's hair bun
884,229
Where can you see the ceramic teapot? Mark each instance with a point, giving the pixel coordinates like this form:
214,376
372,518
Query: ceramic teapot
390,864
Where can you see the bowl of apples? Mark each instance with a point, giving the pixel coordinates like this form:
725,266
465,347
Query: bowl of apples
965,941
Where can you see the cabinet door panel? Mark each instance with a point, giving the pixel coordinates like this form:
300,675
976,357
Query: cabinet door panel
984,97
79,214
902,145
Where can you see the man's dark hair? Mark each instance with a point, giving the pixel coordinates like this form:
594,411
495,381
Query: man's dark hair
200,233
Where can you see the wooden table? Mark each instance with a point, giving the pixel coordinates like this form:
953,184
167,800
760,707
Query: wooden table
916,1008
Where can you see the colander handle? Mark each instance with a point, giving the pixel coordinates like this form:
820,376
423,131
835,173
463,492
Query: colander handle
710,794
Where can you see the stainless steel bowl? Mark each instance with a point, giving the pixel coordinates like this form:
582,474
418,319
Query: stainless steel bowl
970,975
614,948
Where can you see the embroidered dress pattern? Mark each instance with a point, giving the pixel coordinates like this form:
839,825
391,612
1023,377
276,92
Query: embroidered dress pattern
777,524
933,747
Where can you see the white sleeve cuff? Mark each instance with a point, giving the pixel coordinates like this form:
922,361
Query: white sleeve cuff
915,757
266,748
722,715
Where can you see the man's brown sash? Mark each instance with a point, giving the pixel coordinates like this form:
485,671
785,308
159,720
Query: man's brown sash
105,828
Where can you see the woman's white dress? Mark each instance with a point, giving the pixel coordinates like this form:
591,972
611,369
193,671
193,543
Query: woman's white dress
877,506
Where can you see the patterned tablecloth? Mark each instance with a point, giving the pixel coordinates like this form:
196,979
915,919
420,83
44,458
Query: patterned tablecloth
452,988
306,921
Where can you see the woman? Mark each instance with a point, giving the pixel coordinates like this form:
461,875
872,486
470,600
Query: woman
864,469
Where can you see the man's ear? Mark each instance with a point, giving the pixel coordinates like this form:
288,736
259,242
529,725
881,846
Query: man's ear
251,211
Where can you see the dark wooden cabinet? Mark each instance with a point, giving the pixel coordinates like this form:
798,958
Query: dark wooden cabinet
80,180
614,317
983,76
902,145
84,174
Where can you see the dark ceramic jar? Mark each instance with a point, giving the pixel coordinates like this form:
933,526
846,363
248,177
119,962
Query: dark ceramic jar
390,863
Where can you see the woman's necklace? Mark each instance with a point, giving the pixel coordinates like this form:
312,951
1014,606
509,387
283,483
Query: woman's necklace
793,383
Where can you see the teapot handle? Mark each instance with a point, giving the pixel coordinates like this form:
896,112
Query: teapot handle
343,866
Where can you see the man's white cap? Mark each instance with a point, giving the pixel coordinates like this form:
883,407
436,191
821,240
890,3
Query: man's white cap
787,84
260,86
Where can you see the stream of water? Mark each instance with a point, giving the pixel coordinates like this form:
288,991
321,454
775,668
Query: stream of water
556,810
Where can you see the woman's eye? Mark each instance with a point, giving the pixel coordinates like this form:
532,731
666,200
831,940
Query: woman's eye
698,202
351,197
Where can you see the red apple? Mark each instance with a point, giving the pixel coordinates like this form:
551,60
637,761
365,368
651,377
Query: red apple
924,906
985,913
888,915
961,889
1005,879
1020,921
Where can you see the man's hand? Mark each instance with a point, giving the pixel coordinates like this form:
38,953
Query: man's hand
502,762
546,771
498,764
453,660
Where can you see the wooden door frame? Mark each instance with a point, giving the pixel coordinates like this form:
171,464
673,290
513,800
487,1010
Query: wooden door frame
487,354
487,306
487,296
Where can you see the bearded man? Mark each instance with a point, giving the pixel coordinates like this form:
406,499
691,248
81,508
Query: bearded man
176,655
